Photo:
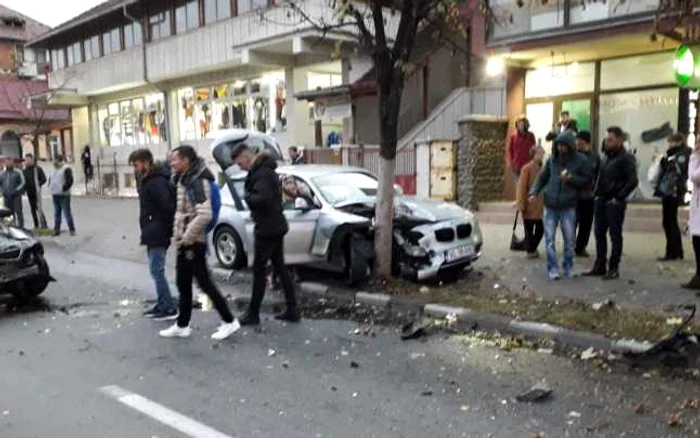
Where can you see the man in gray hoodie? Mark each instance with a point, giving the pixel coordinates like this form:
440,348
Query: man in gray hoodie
13,185
566,172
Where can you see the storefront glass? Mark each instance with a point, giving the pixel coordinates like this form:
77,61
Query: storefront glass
133,122
258,104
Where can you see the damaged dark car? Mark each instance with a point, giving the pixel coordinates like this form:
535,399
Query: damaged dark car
24,272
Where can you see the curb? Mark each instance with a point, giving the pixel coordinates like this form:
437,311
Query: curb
469,319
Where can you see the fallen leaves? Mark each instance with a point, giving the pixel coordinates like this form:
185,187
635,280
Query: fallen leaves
674,420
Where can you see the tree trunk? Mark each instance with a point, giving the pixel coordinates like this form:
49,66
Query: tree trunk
384,217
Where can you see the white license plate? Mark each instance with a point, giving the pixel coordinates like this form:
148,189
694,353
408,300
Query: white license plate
459,253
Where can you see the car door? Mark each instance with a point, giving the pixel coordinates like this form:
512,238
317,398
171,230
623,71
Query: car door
237,201
302,227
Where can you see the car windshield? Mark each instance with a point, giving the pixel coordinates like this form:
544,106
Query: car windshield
346,187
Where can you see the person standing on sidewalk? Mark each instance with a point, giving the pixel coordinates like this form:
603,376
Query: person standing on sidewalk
35,178
531,211
263,195
671,187
156,217
617,180
561,180
694,221
193,214
60,184
520,144
586,205
13,186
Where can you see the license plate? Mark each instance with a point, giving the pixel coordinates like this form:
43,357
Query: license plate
459,253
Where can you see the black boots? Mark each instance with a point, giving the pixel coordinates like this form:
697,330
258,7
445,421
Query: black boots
612,274
693,284
289,315
249,318
598,270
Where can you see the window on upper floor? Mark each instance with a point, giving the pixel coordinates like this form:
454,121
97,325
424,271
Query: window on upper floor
159,25
251,5
92,47
75,54
186,15
40,57
111,41
215,10
133,35
19,55
58,60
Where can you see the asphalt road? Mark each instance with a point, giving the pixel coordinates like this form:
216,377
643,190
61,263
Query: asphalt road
84,363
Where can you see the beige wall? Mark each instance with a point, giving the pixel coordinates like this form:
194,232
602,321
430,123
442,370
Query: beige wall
81,129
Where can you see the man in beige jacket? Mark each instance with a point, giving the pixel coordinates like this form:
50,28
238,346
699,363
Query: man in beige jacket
192,216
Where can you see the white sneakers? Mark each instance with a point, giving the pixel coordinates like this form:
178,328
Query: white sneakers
175,331
224,331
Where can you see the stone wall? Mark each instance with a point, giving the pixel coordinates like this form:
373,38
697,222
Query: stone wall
480,160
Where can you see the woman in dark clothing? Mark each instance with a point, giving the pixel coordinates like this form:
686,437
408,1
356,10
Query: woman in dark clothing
86,160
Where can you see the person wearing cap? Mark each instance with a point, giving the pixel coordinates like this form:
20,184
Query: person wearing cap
561,180
263,195
671,187
617,180
586,204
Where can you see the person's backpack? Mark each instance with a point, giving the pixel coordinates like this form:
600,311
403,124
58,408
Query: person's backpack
214,200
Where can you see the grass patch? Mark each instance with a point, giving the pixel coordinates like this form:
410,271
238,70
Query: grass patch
43,232
474,293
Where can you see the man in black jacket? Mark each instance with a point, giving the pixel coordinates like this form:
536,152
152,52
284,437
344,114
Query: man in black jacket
263,195
34,178
617,180
585,207
671,187
157,211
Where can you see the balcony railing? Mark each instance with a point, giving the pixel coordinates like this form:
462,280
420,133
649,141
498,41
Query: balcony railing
511,21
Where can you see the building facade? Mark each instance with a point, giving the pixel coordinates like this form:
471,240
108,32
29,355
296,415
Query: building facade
599,62
22,74
161,73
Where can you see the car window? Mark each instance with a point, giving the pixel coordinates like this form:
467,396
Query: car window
293,187
346,186
239,187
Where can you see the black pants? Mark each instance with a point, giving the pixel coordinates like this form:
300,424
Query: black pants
33,207
14,204
270,249
696,250
534,230
609,217
191,263
585,210
674,244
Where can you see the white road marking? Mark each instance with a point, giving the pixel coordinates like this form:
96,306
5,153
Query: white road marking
162,414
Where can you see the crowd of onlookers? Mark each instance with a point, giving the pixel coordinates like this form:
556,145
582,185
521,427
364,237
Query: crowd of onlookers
578,189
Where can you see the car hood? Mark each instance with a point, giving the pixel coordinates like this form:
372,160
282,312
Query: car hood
415,208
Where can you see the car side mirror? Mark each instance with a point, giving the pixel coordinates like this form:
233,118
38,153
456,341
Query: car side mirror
302,204
398,190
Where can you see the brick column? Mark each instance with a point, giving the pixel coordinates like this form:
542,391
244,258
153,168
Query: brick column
480,160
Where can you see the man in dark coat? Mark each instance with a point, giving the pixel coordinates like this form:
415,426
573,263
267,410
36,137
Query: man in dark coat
13,185
671,187
157,212
585,208
617,180
34,178
263,195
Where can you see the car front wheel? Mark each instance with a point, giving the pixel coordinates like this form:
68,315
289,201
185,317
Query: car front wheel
229,248
34,286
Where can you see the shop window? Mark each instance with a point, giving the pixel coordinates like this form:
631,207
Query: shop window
186,114
58,60
134,122
92,48
250,5
186,15
215,10
159,25
133,35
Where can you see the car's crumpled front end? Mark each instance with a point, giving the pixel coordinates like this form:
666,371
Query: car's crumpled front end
23,269
431,237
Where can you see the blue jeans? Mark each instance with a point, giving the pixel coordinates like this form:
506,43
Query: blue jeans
156,264
566,219
61,203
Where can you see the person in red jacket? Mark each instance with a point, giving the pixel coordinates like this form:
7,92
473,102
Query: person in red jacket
520,143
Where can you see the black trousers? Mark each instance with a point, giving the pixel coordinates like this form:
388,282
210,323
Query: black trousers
585,210
192,264
696,250
270,249
14,204
534,230
674,243
33,207
609,218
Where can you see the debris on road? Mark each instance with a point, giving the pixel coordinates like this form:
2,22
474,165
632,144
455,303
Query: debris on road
354,364
413,330
589,354
426,393
606,304
640,409
574,414
271,352
691,403
537,393
674,420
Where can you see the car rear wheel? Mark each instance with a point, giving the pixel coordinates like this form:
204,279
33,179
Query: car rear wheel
34,286
229,248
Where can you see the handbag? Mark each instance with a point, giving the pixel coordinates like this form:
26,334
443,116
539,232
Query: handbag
516,244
